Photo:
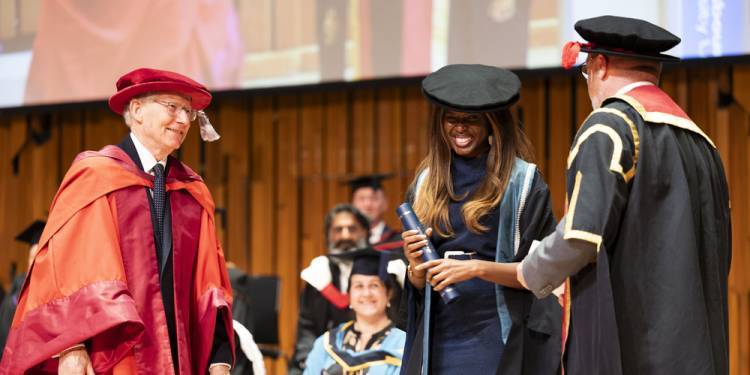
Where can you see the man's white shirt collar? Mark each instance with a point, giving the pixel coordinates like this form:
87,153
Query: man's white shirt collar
147,159
631,86
376,232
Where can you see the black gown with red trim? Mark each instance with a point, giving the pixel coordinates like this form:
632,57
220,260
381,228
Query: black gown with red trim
648,187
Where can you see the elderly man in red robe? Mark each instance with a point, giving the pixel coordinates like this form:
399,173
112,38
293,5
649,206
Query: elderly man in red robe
130,277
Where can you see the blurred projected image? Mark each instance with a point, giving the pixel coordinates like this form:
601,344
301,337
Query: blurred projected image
72,50
58,51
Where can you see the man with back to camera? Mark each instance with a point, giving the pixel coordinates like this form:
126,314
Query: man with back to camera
140,282
646,239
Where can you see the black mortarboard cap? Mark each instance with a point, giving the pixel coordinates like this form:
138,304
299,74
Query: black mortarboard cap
31,234
368,261
472,88
624,36
374,181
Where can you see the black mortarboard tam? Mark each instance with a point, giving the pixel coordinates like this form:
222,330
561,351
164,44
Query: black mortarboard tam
31,234
622,36
374,181
472,88
368,261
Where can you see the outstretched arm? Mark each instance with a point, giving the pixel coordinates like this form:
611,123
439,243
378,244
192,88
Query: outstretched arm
445,272
552,260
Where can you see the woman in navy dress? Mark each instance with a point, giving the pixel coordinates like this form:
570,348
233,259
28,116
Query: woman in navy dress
485,203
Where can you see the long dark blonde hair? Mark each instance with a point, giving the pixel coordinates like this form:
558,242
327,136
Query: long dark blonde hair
435,192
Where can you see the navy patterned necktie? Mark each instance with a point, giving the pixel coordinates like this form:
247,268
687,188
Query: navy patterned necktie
160,196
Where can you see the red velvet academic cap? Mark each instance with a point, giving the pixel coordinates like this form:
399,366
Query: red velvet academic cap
145,80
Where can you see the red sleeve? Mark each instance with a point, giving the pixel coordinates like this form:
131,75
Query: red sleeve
75,293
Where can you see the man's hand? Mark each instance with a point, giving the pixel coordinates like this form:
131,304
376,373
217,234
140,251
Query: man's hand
220,369
75,362
444,272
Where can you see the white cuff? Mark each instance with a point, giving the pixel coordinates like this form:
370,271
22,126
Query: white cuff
74,347
229,367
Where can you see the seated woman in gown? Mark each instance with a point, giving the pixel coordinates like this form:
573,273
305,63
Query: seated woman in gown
370,344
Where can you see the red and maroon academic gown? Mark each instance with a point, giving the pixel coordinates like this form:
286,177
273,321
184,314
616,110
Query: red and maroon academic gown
95,279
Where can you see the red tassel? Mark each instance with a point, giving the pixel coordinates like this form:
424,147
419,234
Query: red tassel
570,54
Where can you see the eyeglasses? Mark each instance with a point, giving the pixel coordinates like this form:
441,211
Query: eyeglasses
584,68
176,109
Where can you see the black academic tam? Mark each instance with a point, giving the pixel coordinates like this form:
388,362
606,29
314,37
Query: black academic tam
472,88
623,36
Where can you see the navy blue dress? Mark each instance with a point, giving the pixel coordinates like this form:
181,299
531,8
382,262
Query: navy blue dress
452,337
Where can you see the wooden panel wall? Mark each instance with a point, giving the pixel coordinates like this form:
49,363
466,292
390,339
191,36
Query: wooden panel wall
280,163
